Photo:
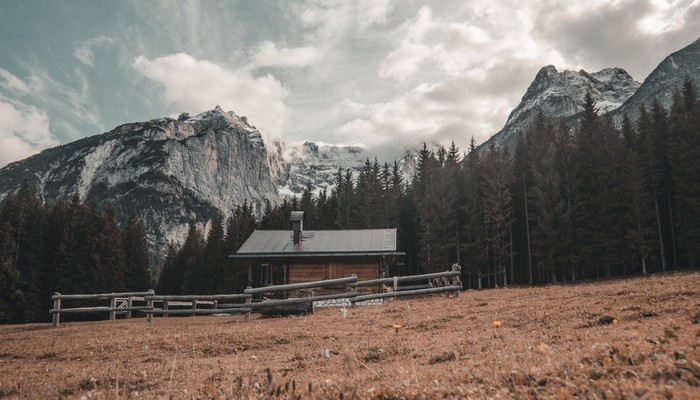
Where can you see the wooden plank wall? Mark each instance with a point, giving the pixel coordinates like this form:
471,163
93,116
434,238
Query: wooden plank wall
315,269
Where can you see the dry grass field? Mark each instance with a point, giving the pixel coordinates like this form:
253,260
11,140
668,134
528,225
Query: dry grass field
632,338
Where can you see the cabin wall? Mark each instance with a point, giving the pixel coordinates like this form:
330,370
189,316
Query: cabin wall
316,269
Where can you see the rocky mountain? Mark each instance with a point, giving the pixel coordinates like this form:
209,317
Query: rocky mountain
316,164
168,170
562,94
670,74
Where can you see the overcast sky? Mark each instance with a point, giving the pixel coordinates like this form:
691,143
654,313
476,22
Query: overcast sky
386,74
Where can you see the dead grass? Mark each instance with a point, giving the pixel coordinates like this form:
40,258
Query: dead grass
552,342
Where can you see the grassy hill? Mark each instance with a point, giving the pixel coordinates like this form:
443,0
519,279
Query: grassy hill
632,338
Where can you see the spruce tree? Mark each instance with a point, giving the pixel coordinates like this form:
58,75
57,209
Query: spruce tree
137,271
684,153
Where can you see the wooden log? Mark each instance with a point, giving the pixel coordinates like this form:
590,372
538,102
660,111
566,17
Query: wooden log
248,301
300,300
232,305
190,297
56,306
99,309
113,306
408,278
404,293
305,285
149,303
200,311
129,304
412,287
98,296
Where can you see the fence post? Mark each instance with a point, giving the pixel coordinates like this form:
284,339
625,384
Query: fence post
166,306
455,279
194,306
129,303
248,302
149,315
57,307
112,305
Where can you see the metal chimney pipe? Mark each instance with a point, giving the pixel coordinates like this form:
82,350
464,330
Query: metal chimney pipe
297,219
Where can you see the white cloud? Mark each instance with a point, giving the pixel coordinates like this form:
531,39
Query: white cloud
85,49
198,85
268,55
11,82
24,130
453,109
371,12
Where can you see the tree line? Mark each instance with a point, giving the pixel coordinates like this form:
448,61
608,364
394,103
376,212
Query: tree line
572,202
64,247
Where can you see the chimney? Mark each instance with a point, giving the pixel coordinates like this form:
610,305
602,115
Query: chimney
297,219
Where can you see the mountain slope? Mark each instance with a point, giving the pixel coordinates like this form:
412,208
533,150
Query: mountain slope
670,74
562,94
167,170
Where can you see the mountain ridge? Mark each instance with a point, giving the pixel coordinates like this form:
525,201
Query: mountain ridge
171,171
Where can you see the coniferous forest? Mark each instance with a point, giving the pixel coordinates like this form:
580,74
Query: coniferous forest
571,203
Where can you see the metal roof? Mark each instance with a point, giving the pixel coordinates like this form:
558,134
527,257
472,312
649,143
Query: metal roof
264,243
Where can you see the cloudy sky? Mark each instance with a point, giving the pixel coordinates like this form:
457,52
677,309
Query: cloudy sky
383,73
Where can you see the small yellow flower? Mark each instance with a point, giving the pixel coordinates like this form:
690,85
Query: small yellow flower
497,324
615,322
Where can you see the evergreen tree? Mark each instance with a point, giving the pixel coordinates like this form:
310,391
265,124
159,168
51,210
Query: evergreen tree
308,205
475,248
11,297
109,260
190,260
137,272
212,268
497,210
547,204
684,153
600,197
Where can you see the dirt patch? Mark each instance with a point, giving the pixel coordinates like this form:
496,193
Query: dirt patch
501,344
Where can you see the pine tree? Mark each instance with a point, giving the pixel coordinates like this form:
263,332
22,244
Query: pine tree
191,259
474,247
11,296
109,260
212,268
644,128
684,153
497,209
602,209
545,191
137,271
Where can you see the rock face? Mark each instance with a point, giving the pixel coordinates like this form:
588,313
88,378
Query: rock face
169,171
663,81
562,94
316,164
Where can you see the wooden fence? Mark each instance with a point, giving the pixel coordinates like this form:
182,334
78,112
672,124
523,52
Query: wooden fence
119,303
122,303
194,301
266,306
439,282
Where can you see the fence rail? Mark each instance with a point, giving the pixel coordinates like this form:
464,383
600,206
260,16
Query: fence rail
305,285
122,303
125,305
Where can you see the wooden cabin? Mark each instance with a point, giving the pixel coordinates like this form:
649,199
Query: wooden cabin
277,257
